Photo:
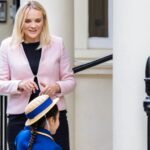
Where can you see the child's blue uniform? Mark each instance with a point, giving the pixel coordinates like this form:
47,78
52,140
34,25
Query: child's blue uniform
43,141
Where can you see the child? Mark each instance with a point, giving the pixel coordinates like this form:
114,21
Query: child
42,121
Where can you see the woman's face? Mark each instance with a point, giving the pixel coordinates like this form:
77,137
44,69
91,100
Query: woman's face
54,124
33,25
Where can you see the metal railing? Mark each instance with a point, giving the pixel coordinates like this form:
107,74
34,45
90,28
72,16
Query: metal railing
3,100
3,122
92,63
146,103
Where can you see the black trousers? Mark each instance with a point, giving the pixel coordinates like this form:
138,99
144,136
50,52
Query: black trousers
16,124
62,134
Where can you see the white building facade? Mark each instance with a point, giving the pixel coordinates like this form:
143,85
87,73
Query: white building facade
102,115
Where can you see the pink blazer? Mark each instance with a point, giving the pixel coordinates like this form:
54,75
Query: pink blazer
54,67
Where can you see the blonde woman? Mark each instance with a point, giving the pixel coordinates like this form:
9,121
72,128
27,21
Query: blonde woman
32,63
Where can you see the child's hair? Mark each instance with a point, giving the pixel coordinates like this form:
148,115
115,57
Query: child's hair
41,123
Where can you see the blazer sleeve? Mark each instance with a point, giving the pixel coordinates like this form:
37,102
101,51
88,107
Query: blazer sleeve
67,80
7,86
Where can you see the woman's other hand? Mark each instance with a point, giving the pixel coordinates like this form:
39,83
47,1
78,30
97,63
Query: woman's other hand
50,90
28,86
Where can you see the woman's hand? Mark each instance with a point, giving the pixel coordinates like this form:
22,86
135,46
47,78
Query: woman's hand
50,90
28,86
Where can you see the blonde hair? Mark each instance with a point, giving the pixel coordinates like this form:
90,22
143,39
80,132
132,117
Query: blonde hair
18,35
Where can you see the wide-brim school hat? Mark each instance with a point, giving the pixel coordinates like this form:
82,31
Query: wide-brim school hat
38,107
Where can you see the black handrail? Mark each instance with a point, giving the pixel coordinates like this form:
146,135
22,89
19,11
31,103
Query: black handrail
3,100
93,63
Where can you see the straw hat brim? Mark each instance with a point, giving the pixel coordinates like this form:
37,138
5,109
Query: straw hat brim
40,115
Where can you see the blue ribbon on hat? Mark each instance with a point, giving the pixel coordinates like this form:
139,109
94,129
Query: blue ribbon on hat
39,109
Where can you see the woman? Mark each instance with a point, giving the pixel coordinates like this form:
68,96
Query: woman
33,63
43,121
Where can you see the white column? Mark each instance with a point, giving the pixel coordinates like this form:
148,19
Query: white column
131,48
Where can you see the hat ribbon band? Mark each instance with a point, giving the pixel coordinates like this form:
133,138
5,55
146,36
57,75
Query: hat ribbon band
39,109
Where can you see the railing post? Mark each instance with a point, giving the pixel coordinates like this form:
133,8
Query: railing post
3,122
146,105
148,130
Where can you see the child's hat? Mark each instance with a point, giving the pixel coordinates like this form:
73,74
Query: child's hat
38,107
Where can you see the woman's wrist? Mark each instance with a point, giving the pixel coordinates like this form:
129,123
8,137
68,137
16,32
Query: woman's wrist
19,86
58,89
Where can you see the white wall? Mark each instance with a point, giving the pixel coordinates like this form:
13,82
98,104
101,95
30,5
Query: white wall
93,95
93,112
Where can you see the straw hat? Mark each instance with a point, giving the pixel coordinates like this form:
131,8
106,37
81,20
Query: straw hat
38,107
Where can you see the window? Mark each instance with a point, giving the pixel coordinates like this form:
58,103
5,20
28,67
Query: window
3,11
98,18
100,24
93,33
93,24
